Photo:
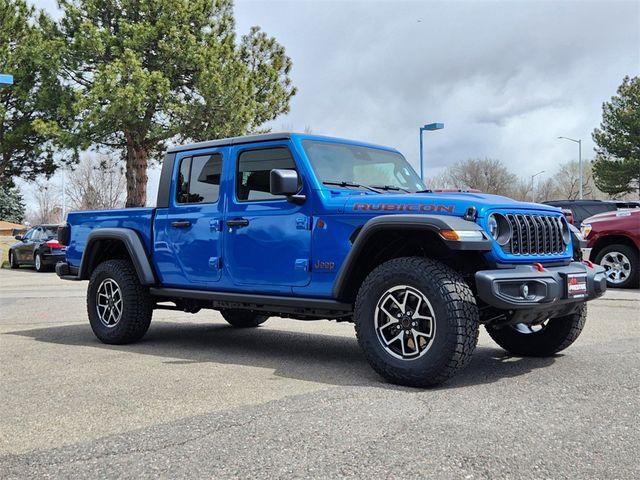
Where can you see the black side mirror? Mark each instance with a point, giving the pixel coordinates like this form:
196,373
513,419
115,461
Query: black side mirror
18,237
283,182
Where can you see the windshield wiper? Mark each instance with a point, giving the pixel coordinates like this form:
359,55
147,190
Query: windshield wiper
390,187
350,184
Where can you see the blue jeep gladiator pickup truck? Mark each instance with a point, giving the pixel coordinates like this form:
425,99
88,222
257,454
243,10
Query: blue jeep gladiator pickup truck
310,227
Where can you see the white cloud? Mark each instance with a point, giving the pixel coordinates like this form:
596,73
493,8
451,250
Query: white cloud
506,77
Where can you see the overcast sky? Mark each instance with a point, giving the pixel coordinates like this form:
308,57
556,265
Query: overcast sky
506,78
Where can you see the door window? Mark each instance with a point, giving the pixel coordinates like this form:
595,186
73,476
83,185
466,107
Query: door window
199,179
254,172
28,235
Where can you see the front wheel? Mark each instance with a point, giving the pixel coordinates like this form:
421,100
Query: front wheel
622,265
416,321
543,340
119,307
243,318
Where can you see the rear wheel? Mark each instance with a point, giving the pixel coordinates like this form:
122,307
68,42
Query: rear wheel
119,307
416,321
543,340
243,318
37,262
621,263
13,261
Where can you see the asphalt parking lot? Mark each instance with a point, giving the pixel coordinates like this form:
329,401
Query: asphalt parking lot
197,398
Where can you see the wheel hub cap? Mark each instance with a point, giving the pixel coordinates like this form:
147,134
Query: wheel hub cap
109,303
618,267
404,322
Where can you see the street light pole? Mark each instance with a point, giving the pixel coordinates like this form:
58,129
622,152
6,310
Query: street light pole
579,142
533,190
64,194
429,127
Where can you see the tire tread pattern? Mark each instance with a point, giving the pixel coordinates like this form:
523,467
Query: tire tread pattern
462,313
137,303
243,318
556,336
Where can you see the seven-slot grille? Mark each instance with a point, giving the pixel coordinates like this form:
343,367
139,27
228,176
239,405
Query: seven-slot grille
535,234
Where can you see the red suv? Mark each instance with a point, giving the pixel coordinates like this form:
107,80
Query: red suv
614,240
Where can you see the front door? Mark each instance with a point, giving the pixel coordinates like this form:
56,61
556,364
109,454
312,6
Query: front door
267,238
193,221
24,253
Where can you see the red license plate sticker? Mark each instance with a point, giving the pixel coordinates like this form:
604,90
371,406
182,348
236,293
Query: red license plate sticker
576,286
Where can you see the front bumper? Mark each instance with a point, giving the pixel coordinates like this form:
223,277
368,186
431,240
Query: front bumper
546,289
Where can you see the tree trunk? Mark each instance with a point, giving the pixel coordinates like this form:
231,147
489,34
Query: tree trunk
136,173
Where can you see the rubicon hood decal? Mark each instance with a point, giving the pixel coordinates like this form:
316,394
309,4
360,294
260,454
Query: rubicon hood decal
405,207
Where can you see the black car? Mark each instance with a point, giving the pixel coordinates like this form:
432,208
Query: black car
582,209
39,247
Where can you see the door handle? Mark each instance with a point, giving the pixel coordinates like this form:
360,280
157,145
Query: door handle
181,224
238,222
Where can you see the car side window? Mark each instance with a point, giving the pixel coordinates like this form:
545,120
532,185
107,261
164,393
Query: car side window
37,235
254,172
28,235
199,179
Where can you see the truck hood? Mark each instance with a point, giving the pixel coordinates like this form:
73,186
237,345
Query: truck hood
614,215
455,203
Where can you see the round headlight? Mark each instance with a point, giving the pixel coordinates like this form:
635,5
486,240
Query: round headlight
493,226
566,231
499,228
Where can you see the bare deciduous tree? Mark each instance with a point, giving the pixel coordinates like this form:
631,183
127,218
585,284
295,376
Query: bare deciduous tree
520,190
547,189
47,203
487,175
439,181
568,181
97,182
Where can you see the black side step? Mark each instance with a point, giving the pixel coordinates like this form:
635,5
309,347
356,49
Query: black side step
316,307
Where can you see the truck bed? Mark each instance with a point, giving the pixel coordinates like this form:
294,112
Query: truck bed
83,223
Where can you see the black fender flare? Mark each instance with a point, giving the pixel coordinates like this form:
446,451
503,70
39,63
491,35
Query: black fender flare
132,243
432,223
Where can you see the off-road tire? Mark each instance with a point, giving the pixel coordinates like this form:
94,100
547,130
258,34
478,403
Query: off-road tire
137,305
556,335
633,281
13,262
456,321
243,318
37,260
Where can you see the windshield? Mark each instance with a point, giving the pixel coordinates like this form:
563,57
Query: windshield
355,164
50,232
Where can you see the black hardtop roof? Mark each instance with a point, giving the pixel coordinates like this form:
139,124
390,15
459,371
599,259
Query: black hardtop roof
223,142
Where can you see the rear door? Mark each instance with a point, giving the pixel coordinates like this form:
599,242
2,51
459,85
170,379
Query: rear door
267,238
193,221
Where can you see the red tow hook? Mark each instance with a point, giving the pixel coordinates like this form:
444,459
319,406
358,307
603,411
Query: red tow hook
539,266
589,263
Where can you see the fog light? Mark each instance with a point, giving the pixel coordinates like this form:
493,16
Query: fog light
524,290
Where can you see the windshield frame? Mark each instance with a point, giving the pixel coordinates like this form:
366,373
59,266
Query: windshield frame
415,183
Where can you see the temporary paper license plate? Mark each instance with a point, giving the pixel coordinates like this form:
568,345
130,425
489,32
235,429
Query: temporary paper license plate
576,286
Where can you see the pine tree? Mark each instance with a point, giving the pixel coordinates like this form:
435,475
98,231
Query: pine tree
12,207
616,169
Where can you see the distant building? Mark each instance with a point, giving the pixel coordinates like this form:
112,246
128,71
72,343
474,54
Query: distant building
8,229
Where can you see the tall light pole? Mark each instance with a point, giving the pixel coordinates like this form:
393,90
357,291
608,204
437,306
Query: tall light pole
64,194
533,190
579,142
429,127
